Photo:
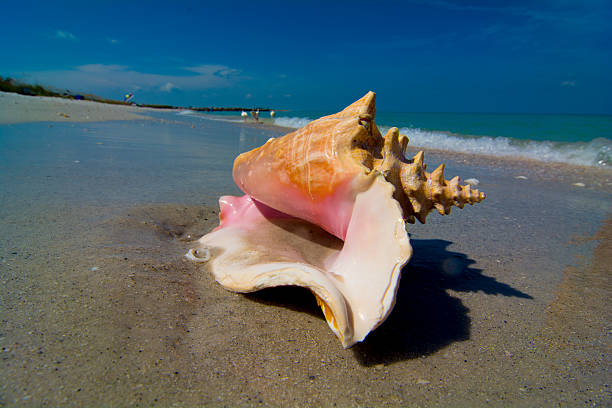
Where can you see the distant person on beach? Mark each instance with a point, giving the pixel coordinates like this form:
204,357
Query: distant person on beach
272,113
244,116
255,115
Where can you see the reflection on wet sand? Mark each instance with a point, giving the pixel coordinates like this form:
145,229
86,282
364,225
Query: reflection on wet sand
99,305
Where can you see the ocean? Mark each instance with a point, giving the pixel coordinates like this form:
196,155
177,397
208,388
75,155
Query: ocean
584,140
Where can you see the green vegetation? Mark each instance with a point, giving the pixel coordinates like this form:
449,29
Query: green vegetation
15,86
11,85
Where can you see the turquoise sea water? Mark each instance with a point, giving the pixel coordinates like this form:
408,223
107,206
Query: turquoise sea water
573,139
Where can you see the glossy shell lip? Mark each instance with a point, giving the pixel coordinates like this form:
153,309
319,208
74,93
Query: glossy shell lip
354,281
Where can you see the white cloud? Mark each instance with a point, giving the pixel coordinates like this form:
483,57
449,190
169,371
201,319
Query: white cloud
101,68
65,35
112,40
96,77
214,71
570,84
167,87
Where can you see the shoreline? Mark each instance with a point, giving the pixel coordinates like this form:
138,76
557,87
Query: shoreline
591,176
599,177
41,108
18,108
100,305
511,160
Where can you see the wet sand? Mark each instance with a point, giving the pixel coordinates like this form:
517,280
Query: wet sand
504,304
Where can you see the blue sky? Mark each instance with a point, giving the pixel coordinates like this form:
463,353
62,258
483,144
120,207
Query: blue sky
420,56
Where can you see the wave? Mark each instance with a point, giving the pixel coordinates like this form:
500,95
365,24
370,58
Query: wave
295,123
205,116
597,152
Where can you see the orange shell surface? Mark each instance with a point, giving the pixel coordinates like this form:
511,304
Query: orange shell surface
316,172
314,167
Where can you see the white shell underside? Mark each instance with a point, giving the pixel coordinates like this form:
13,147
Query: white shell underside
357,279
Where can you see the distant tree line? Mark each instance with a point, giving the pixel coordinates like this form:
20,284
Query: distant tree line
15,86
12,85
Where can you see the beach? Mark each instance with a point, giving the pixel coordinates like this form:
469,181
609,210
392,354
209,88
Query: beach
99,306
20,108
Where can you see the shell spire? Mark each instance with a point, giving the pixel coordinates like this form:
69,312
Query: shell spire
418,191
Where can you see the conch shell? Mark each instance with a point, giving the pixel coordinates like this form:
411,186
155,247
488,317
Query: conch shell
325,208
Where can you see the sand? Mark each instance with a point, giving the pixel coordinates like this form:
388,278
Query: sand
20,108
100,307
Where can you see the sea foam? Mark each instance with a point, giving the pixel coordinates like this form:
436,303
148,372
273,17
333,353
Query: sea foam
295,123
597,152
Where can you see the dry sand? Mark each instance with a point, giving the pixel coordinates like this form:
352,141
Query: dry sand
20,108
100,307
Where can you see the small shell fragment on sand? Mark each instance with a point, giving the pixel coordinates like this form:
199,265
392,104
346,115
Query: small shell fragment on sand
198,255
472,181
521,177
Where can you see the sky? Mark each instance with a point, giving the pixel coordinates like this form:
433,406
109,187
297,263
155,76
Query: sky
418,56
